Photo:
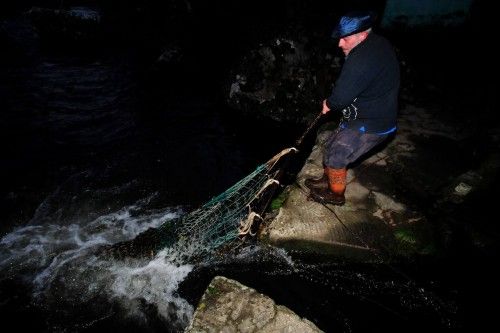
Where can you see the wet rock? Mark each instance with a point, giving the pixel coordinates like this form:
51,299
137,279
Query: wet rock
228,306
388,198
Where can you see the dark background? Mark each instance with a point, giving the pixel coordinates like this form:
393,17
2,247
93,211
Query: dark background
146,115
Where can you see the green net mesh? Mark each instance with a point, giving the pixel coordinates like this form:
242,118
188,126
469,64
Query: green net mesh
231,216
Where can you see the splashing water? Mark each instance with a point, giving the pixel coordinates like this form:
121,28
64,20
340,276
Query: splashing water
62,268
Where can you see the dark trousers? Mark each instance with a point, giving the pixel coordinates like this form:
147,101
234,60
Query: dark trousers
347,145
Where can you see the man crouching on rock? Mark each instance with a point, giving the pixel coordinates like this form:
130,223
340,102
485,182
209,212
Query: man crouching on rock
366,92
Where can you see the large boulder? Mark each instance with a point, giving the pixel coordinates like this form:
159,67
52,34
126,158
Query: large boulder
229,306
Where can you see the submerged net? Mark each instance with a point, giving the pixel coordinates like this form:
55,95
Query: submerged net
233,215
227,219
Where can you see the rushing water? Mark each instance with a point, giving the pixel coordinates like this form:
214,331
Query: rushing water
97,152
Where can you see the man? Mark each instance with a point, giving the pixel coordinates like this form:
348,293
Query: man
366,92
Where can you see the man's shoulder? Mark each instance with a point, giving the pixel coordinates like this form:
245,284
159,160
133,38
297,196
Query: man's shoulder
375,46
380,47
379,39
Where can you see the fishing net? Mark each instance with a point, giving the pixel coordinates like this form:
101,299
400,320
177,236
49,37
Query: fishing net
227,219
232,216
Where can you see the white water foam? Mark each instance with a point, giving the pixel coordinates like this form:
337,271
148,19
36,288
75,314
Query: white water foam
156,282
59,263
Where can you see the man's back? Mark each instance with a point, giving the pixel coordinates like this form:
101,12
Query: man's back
370,76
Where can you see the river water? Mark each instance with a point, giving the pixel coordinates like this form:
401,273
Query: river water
100,147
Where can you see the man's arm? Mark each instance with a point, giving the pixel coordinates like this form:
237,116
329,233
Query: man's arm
356,75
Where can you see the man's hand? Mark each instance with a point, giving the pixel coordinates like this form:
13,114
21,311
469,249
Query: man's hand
325,108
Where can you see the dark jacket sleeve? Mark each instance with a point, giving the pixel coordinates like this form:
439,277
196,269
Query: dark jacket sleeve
354,78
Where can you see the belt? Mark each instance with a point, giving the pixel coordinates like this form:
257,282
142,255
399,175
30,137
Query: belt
363,129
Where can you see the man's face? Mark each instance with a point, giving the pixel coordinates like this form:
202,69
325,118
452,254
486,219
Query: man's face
350,42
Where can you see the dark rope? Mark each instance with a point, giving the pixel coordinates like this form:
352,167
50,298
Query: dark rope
298,143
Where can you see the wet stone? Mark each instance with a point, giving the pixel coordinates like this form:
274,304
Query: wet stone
229,306
387,195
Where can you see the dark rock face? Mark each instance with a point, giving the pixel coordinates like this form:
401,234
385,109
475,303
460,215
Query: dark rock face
283,79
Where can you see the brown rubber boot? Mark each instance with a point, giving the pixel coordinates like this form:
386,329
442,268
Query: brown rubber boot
334,194
321,182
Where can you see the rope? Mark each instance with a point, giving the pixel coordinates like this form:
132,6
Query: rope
298,143
268,183
246,225
272,162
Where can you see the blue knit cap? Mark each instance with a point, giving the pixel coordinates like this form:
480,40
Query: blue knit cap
352,23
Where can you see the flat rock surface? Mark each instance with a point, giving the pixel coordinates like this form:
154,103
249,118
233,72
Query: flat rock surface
229,306
387,195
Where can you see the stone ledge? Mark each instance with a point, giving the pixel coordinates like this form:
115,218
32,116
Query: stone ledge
229,306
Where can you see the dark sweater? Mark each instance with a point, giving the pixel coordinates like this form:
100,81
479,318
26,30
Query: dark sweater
370,74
